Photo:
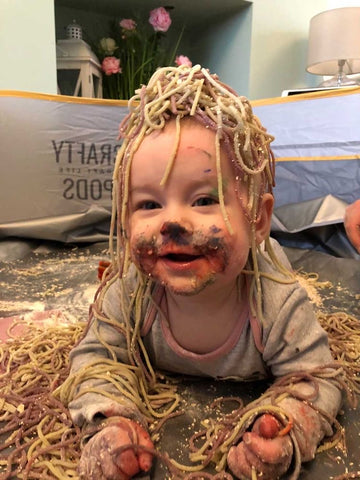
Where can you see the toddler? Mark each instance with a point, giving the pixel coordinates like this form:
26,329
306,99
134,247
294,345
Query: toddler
197,287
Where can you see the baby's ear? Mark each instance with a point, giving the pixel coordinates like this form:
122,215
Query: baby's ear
263,223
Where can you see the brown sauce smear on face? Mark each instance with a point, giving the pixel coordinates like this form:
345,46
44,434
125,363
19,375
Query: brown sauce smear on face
145,254
175,232
214,249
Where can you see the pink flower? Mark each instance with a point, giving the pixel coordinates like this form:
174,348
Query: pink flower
111,65
160,19
183,60
127,24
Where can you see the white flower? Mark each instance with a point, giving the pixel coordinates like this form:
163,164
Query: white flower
108,45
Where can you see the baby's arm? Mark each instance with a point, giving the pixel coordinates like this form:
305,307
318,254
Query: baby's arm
269,449
93,395
100,406
294,343
116,419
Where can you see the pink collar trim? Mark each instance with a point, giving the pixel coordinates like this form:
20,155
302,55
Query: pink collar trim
225,348
229,344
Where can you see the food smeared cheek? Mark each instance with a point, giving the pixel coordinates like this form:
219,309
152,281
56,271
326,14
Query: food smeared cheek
144,253
216,252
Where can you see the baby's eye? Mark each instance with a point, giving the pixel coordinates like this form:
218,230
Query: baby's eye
148,205
205,201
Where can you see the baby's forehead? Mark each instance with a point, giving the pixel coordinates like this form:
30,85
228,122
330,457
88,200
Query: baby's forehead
189,133
196,150
186,122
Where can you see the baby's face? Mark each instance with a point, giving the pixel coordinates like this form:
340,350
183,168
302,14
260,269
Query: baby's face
177,231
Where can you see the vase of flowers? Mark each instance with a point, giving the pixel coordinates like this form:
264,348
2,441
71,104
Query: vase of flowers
132,52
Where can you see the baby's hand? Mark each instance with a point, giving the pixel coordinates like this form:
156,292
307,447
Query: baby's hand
352,223
262,449
103,457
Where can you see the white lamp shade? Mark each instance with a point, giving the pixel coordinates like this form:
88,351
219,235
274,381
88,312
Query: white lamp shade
78,68
334,35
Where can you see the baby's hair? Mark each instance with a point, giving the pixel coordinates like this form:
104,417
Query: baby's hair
176,93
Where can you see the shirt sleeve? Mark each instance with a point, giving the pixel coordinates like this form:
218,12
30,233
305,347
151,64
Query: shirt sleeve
95,396
294,340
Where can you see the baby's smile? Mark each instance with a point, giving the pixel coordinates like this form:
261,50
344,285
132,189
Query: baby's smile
195,257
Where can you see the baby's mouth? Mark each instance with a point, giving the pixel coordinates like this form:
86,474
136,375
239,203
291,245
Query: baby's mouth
181,262
181,257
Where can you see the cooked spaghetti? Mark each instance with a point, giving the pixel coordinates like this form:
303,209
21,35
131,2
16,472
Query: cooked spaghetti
40,441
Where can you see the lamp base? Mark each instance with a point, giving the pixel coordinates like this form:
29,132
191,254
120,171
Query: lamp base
339,80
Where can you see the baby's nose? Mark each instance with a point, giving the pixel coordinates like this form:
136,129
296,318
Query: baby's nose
175,230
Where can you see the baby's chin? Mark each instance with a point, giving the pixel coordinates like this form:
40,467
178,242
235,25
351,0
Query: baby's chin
187,289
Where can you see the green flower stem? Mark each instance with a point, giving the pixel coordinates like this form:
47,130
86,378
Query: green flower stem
132,85
119,89
173,54
143,63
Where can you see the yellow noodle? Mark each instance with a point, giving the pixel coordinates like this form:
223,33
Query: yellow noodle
173,153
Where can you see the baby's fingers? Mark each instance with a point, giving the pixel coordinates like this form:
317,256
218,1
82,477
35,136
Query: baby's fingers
125,459
269,458
127,462
238,462
89,468
275,450
97,463
242,462
144,440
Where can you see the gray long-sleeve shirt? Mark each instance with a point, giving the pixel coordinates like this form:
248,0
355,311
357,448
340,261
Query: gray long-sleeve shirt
292,341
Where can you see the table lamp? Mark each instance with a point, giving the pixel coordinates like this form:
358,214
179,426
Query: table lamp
334,46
